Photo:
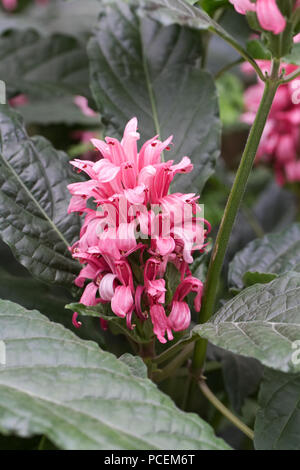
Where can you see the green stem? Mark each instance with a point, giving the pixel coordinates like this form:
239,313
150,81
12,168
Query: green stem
42,443
228,67
170,352
174,365
225,411
231,210
188,393
291,76
240,50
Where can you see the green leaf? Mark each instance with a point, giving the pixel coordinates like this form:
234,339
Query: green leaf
81,397
252,278
241,375
294,56
272,254
261,322
258,50
135,364
143,333
231,98
157,80
56,111
278,419
49,300
43,66
33,202
72,18
179,11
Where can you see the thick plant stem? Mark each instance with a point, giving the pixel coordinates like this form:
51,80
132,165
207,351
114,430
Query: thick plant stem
231,210
225,411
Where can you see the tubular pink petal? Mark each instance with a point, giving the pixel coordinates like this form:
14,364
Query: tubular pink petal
165,246
180,316
138,299
106,287
83,105
122,301
89,295
105,170
269,16
242,6
76,323
102,147
160,323
129,141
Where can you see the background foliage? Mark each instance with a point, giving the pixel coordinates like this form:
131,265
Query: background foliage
157,60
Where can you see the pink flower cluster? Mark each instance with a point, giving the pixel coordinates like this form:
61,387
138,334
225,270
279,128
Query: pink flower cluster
125,262
11,5
268,13
280,144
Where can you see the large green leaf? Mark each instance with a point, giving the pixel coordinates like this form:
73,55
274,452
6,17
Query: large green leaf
49,300
179,11
56,111
278,419
294,56
141,68
241,375
72,18
33,202
81,397
274,254
261,322
43,66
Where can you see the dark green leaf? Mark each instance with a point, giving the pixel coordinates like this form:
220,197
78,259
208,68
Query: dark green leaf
81,397
33,202
43,66
231,99
294,56
135,364
179,11
56,111
49,300
272,254
143,334
241,375
278,419
261,322
251,278
258,50
140,68
72,18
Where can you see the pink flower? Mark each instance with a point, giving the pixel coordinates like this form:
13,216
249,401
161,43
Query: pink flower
122,301
242,6
280,143
269,16
18,100
126,245
180,316
82,104
11,5
268,13
160,323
